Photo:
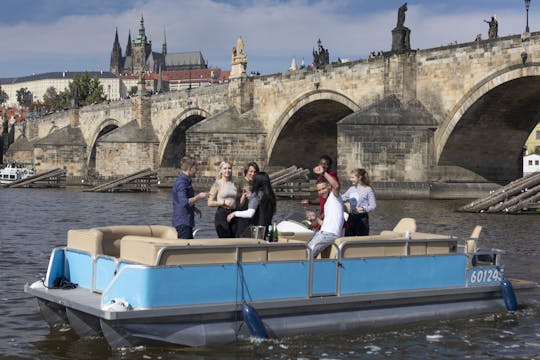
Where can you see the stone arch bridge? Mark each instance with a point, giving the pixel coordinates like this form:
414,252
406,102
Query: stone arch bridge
457,113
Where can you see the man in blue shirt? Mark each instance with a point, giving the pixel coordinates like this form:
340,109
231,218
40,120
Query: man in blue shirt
184,199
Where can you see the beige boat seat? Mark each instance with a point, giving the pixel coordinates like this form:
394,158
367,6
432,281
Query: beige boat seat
472,245
367,246
154,251
107,240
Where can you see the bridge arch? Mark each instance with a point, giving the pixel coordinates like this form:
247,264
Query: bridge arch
307,128
104,127
172,146
487,128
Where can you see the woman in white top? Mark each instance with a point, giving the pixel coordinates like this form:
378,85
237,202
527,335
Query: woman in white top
224,195
361,198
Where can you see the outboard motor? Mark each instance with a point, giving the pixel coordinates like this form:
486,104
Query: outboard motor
253,321
508,293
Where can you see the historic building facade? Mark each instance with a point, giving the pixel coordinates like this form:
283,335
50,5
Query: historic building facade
139,56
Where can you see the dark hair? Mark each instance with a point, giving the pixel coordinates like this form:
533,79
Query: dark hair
261,183
250,164
328,160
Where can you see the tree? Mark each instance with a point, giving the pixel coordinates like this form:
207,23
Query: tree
51,99
24,97
82,91
3,96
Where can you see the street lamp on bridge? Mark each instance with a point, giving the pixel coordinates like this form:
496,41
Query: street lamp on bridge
527,4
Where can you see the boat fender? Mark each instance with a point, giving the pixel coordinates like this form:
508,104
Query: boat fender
508,293
253,321
117,304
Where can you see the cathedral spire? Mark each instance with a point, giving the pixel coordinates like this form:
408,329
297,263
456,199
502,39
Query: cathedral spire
128,46
141,39
115,65
164,47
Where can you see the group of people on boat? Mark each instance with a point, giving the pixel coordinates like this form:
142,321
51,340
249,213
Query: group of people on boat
251,201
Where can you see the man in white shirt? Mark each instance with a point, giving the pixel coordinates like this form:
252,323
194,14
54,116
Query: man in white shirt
332,225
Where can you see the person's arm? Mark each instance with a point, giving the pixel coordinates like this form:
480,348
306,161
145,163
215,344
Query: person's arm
196,198
331,180
212,195
246,214
372,203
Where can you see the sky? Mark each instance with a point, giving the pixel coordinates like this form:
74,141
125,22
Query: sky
39,36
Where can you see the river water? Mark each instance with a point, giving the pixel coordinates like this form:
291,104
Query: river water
33,221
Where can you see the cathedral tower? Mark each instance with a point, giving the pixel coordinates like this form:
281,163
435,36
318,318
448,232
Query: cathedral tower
141,49
116,65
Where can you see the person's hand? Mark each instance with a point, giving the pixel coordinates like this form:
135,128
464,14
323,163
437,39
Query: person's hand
311,215
230,217
197,212
360,209
202,195
318,170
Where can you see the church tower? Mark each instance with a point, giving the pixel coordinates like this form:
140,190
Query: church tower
116,65
164,47
141,49
128,46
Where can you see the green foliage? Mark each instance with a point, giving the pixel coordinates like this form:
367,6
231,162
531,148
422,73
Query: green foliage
51,100
3,96
82,91
24,97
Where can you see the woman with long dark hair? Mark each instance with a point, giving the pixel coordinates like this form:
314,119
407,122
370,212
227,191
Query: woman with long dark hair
262,203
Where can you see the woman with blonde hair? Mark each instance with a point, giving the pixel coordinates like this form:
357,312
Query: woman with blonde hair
224,195
361,198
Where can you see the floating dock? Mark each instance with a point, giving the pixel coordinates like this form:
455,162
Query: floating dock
519,196
49,179
140,181
291,182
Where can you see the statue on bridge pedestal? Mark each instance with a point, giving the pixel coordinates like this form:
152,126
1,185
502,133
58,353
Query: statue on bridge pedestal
493,31
238,59
401,16
401,35
321,56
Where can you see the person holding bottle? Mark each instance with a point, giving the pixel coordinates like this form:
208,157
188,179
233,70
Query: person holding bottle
261,206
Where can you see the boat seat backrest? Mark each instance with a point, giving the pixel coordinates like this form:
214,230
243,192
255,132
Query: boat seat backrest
404,225
106,240
152,251
367,246
473,239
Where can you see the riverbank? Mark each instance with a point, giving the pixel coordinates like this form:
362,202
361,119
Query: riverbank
384,190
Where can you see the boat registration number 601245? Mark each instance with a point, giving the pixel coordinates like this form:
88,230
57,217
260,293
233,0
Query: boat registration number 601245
484,276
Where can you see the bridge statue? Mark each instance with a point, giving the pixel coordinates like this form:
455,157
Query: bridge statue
493,27
401,35
238,59
401,16
321,56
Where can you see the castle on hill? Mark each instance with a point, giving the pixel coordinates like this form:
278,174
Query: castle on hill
139,56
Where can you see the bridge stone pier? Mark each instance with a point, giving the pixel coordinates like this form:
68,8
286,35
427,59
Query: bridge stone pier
457,113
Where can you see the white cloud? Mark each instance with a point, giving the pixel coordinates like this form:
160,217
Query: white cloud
272,30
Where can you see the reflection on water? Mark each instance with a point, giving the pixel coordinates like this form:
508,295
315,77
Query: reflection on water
34,221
